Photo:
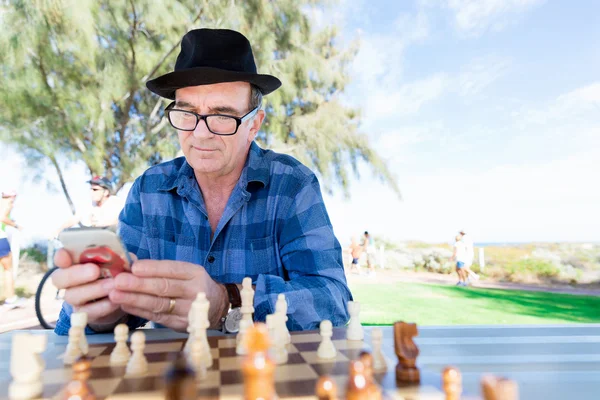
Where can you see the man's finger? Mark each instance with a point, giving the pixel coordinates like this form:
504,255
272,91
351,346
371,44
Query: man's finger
170,320
80,295
162,287
98,309
64,278
62,258
154,304
164,269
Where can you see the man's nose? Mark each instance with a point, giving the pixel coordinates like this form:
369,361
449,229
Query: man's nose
202,131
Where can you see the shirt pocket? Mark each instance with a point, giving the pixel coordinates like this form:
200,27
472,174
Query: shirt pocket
264,256
168,245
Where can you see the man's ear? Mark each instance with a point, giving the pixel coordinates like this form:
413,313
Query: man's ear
256,124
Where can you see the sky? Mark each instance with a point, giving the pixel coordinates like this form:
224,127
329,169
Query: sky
487,112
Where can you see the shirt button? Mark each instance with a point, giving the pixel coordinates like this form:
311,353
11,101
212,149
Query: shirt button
211,259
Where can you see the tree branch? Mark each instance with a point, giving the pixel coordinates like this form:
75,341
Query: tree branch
171,50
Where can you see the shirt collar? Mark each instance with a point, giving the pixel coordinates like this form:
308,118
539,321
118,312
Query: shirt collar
255,172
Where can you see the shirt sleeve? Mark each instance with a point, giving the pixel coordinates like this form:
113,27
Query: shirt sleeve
316,287
130,230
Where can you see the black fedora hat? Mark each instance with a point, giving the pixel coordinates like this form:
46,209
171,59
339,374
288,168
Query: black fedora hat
212,56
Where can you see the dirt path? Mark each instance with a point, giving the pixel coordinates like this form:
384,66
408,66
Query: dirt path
393,276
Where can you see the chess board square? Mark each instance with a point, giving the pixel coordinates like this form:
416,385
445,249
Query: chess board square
350,344
213,380
104,387
158,368
143,384
303,388
230,363
307,346
332,369
57,375
232,392
227,352
294,372
227,343
306,338
231,377
312,358
208,394
163,347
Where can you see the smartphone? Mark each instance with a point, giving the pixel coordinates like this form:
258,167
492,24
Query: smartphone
100,246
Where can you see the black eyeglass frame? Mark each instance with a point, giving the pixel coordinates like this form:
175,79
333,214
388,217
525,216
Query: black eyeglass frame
238,120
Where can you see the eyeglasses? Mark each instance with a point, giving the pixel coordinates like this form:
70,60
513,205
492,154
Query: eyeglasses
218,124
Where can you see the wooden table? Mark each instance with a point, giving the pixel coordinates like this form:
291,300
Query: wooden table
548,361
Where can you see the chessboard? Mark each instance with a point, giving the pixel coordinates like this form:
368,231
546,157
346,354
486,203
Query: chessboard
296,379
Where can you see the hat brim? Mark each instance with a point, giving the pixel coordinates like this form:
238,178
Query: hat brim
166,85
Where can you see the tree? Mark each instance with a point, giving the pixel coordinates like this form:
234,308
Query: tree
72,82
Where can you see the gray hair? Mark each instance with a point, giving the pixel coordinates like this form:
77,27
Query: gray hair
255,97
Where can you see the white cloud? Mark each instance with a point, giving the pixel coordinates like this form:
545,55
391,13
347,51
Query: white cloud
407,99
474,17
481,73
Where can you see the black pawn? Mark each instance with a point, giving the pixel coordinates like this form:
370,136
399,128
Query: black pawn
180,380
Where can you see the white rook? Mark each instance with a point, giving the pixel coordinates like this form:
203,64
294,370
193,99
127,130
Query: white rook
481,259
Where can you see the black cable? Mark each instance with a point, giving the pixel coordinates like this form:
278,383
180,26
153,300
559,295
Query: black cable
38,298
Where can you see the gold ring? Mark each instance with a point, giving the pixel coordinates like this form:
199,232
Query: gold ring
171,306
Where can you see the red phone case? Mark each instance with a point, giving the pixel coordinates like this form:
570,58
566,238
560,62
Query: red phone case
110,263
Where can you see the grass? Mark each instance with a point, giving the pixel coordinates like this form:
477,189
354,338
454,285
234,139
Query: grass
383,304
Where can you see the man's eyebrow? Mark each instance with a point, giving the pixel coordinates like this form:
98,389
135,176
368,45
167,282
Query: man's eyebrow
215,109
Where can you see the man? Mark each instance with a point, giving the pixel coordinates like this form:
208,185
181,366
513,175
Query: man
459,255
227,210
104,211
6,206
369,248
469,256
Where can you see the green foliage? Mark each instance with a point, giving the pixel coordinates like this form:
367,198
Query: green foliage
73,73
540,268
35,254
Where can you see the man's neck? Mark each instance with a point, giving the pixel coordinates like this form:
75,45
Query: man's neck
220,185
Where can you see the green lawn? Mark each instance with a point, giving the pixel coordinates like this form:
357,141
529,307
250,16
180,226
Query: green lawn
451,305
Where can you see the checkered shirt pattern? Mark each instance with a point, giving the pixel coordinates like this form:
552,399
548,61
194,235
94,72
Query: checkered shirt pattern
275,229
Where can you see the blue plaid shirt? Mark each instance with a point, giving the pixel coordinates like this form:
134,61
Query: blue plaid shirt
275,229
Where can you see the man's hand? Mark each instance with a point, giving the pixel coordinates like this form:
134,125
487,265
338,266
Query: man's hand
85,292
148,289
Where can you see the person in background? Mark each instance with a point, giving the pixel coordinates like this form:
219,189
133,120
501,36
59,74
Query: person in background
6,206
369,249
469,256
459,255
104,211
356,251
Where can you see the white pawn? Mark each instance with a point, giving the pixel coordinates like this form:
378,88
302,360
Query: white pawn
281,308
79,320
73,351
279,352
379,363
247,295
355,330
137,365
240,349
326,348
120,354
